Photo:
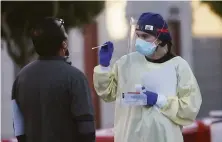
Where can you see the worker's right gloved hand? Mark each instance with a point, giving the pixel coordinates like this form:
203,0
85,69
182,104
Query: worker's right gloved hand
105,54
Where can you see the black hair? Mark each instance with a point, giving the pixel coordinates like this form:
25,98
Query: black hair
48,35
169,47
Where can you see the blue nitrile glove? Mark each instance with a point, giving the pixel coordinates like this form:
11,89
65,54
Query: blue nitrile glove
105,54
151,97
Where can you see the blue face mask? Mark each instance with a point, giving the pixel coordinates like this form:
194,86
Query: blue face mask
145,48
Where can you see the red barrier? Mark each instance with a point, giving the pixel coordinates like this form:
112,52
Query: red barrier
203,134
105,139
197,132
105,135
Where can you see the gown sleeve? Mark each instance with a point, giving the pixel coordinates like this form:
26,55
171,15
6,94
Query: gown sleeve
105,82
183,108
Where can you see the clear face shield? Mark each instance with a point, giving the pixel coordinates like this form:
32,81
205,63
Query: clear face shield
137,32
131,47
132,35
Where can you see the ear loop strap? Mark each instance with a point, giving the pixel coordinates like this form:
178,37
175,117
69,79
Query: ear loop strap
159,34
161,30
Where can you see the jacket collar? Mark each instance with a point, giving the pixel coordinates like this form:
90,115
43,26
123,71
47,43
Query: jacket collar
51,58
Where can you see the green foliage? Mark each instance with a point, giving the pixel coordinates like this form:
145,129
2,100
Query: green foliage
16,17
216,6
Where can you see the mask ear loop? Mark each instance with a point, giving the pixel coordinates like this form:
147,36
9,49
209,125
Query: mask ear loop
159,35
160,32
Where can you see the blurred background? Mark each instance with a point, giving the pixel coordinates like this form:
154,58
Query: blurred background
196,28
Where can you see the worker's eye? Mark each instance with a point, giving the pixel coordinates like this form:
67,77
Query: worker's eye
144,36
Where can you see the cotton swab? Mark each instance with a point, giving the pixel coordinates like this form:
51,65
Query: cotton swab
98,46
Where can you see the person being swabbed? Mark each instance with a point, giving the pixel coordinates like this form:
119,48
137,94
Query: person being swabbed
169,96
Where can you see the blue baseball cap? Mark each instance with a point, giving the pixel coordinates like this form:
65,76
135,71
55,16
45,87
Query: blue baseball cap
154,24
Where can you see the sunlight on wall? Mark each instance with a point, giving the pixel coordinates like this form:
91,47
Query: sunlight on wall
205,22
116,22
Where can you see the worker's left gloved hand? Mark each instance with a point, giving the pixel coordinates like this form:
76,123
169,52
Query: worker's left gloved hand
151,97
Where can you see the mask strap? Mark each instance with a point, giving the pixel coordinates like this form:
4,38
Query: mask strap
159,33
161,29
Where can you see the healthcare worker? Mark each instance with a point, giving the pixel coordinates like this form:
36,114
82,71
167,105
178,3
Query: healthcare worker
172,95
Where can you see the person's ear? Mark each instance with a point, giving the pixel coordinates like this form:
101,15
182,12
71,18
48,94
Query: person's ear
157,42
64,45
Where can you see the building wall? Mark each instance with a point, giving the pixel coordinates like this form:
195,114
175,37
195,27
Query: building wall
7,78
207,56
76,48
207,60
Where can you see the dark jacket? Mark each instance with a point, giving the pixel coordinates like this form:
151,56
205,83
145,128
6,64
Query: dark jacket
54,98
